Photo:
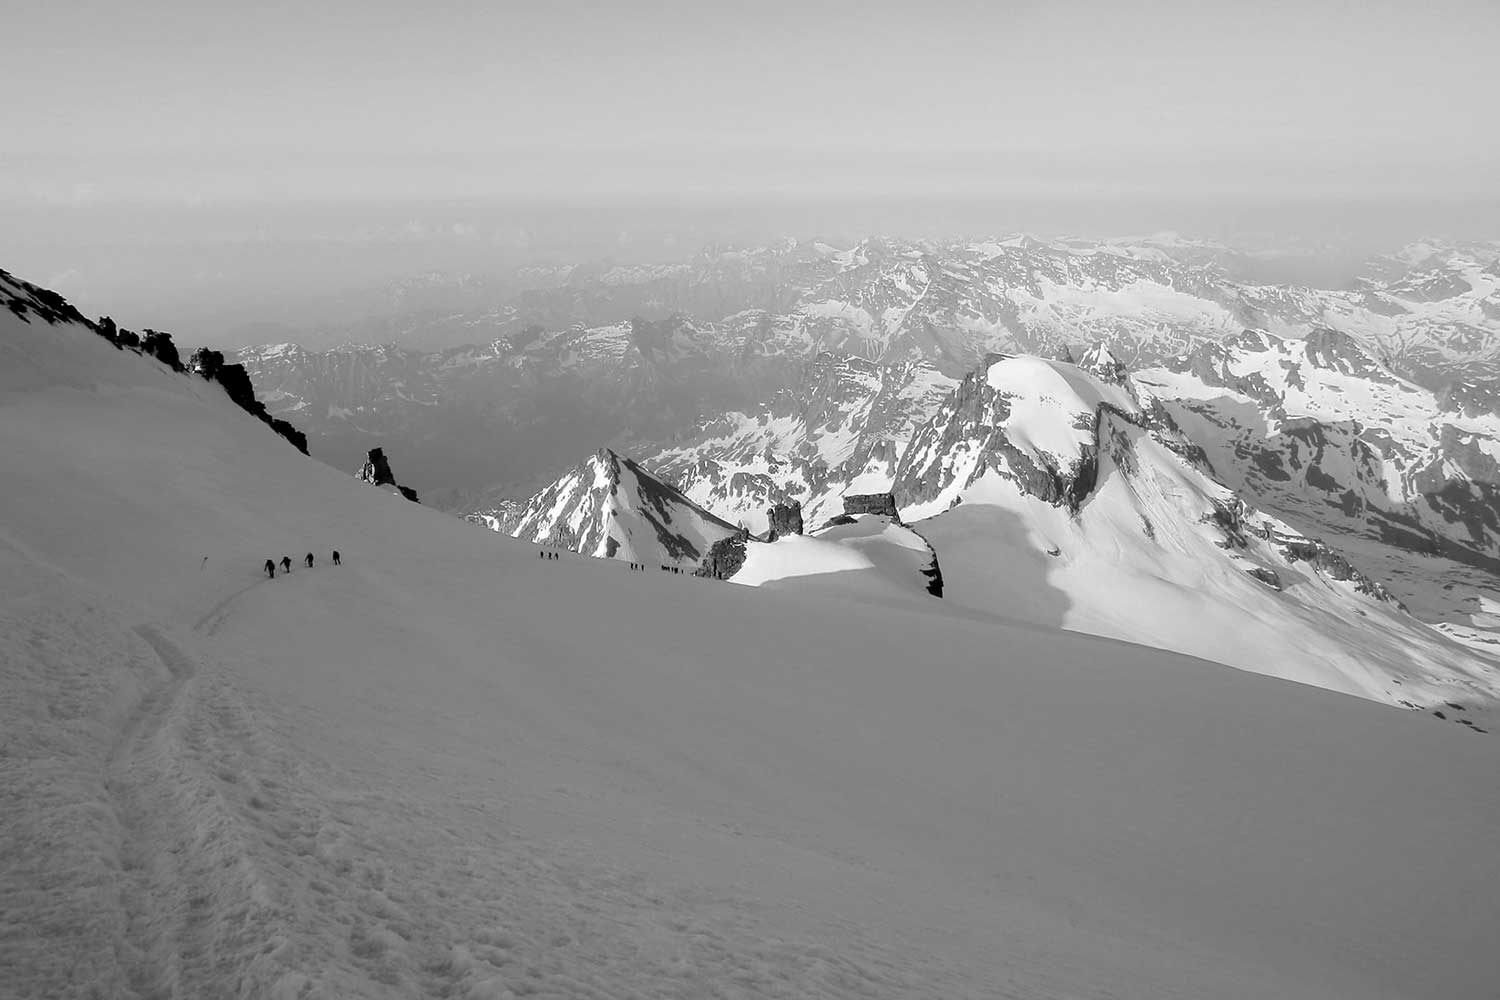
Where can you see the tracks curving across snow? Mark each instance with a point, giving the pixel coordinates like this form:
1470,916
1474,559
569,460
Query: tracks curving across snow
197,908
216,615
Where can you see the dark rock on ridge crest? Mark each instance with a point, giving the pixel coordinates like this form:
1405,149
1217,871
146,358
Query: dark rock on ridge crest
377,472
871,503
53,308
785,519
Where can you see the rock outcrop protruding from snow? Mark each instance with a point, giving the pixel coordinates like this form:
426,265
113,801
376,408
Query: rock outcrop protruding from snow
1100,362
883,504
377,472
724,558
784,519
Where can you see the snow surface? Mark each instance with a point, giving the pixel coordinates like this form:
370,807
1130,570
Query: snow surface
448,768
886,555
1045,399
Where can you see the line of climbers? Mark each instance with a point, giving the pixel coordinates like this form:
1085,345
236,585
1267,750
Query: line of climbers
286,563
551,554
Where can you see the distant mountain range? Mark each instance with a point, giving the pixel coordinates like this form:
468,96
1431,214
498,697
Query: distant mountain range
1286,505
630,356
1216,506
1354,430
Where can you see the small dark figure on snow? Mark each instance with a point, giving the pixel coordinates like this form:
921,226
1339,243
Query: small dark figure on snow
336,557
286,564
270,569
309,560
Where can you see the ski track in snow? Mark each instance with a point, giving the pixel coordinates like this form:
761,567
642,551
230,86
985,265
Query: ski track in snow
215,616
241,868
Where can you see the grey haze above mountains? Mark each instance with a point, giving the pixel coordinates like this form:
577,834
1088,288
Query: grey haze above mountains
638,355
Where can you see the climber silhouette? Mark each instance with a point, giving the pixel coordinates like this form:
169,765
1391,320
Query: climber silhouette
286,564
270,569
335,557
309,560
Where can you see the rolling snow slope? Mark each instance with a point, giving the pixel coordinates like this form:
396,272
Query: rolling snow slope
447,768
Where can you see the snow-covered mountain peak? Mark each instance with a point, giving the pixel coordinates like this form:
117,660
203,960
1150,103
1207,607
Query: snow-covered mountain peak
1027,420
609,506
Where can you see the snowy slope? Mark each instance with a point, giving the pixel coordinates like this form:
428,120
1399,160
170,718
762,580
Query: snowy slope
447,768
612,508
869,545
1078,507
1324,436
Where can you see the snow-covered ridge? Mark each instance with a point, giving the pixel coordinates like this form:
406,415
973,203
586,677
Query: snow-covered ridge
1046,465
27,302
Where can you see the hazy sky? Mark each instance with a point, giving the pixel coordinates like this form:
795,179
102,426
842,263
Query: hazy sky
201,164
202,102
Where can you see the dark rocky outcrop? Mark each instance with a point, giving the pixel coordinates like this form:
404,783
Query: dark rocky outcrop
785,519
236,383
871,503
206,362
377,472
1228,517
52,308
724,558
933,573
1265,576
377,469
1328,562
1098,361
159,345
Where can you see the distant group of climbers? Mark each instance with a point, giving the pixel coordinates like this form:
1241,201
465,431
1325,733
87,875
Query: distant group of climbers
552,554
286,563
